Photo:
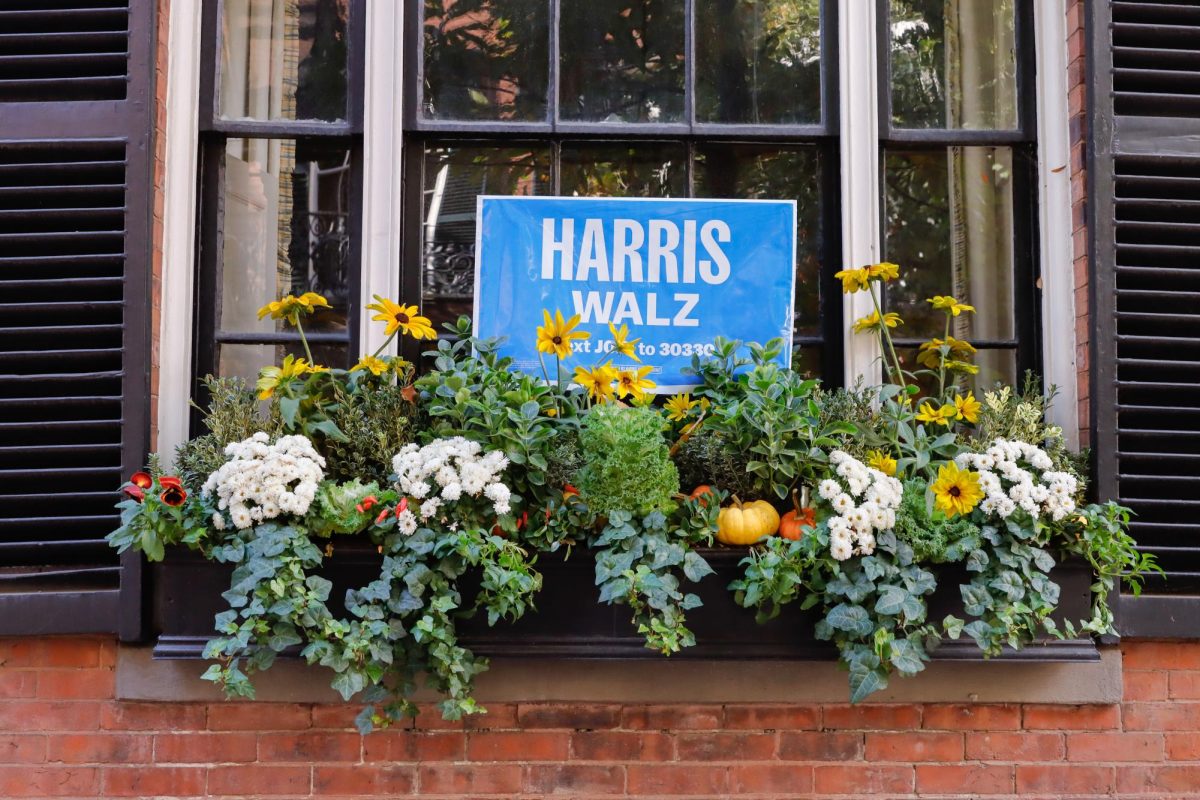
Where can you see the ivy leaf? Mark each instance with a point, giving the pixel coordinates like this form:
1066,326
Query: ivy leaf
695,567
891,600
906,656
977,561
865,682
976,599
981,632
851,619
349,683
953,626
1010,584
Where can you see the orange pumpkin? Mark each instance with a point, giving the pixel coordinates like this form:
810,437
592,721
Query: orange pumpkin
793,523
699,492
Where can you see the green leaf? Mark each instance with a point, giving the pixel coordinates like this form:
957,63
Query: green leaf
865,682
851,619
907,657
953,626
695,567
289,407
891,600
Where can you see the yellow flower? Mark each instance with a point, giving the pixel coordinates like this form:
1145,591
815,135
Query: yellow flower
634,382
555,336
949,304
930,352
871,321
622,344
936,416
643,400
962,366
291,307
854,279
886,271
956,491
400,317
376,366
271,378
883,462
678,406
967,407
598,381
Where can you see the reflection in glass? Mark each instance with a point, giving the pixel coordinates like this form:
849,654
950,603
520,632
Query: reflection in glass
949,225
283,59
622,60
486,59
769,172
954,64
453,177
286,227
623,170
995,366
807,361
245,360
758,61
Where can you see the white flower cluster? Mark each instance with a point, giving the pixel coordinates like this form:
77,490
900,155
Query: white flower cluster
1007,485
865,501
443,471
262,480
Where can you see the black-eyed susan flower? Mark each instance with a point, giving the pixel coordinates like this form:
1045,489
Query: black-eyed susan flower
271,378
931,415
633,382
622,343
597,381
291,307
949,305
403,318
967,408
956,491
877,459
885,271
872,321
376,366
930,354
854,280
557,335
678,406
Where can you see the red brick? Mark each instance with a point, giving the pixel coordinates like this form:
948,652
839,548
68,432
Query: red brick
518,746
26,781
16,683
340,717
577,716
247,780
1182,686
648,717
310,747
725,746
877,717
415,746
1064,779
621,746
1072,718
767,717
1015,747
854,779
259,717
1162,717
497,715
99,748
1143,686
91,684
1177,779
470,779
152,717
574,779
1108,747
1183,746
820,746
74,651
357,780
784,780
914,746
972,717
145,781
22,748
1161,655
205,748
968,779
49,715
669,779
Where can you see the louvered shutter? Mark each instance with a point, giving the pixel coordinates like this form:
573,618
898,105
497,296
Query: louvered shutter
1146,290
76,194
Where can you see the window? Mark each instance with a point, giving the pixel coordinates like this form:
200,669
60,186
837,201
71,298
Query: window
281,166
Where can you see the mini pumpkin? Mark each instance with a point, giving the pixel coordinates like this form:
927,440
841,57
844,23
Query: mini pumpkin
793,524
745,523
699,492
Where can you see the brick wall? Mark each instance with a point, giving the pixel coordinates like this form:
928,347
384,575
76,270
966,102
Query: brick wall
62,734
1077,102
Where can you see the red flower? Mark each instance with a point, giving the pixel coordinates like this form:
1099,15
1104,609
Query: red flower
569,490
169,481
134,492
402,507
142,480
173,495
382,516
522,520
367,504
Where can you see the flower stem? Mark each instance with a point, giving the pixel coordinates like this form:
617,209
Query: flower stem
386,342
303,339
942,363
887,338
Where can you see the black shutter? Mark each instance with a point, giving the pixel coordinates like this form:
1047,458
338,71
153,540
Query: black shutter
76,194
1145,220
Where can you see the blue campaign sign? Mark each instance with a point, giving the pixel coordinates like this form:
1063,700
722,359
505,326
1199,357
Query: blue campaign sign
679,273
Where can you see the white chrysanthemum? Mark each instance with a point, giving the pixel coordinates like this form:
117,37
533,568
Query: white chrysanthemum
828,489
843,504
854,530
447,470
406,522
841,550
262,481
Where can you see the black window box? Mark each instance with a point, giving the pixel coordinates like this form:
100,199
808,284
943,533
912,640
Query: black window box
569,621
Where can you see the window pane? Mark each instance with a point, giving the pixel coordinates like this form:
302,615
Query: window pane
245,360
758,61
624,170
767,172
283,59
486,59
453,177
954,64
995,366
621,60
807,361
287,231
950,228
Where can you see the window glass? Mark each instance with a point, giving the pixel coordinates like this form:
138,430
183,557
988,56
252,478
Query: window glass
996,365
454,176
621,60
771,172
949,225
283,59
758,61
286,231
953,64
245,360
486,59
591,169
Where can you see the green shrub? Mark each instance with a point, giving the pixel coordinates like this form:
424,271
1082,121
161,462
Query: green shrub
628,464
234,413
